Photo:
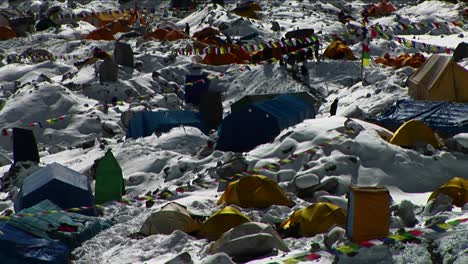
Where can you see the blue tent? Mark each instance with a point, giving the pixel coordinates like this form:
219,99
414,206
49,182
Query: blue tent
144,124
261,122
70,228
61,185
19,247
196,89
443,117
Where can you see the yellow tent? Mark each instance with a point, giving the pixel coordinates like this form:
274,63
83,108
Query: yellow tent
368,213
315,219
439,79
456,188
412,132
171,217
255,191
222,221
337,50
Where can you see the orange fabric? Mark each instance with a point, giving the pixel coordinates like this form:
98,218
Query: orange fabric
206,32
102,33
403,60
6,33
175,35
158,34
381,8
211,41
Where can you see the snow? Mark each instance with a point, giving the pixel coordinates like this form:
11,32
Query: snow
167,161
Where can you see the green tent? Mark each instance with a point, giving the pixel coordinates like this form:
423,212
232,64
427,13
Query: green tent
109,180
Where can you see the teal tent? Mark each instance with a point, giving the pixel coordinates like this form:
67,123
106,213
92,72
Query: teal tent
70,228
110,184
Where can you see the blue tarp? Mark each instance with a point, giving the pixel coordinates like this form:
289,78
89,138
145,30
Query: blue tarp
195,91
70,228
144,124
443,117
61,185
19,247
262,122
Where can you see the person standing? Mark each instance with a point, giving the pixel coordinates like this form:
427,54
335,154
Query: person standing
187,29
334,107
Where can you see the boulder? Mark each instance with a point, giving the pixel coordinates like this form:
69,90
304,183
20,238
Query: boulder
249,240
183,258
123,54
220,258
108,70
306,180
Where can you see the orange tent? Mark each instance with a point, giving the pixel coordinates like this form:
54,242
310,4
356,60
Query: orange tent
102,33
6,33
159,34
120,25
214,41
206,32
236,55
382,8
338,50
403,60
175,35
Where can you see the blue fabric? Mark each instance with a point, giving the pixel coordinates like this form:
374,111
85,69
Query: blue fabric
61,185
194,93
443,117
144,124
19,247
261,122
47,225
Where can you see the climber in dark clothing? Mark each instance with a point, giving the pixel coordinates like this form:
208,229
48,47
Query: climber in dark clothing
187,29
334,107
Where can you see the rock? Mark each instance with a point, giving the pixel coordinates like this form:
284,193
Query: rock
275,26
306,181
56,149
123,54
336,200
219,258
405,211
4,160
108,71
249,240
126,116
334,235
183,258
353,111
439,204
237,164
110,129
85,143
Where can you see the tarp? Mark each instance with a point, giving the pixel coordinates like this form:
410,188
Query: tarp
196,86
314,219
337,50
415,60
110,184
20,247
171,217
368,213
262,122
254,191
247,100
61,185
144,124
443,117
222,221
70,228
24,145
7,32
412,133
456,188
439,79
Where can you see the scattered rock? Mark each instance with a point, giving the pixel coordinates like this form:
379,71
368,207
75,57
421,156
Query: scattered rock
183,258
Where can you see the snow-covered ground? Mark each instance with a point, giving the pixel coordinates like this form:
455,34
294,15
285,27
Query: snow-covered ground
170,160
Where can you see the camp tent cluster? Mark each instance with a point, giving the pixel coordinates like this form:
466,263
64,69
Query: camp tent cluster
37,236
